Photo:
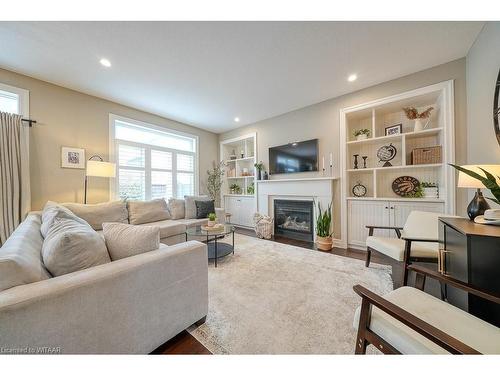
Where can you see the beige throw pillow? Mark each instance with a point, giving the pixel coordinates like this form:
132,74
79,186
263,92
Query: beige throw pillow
141,212
125,240
71,246
53,210
177,208
96,214
191,205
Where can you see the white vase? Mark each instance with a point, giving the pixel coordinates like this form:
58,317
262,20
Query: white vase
361,136
420,124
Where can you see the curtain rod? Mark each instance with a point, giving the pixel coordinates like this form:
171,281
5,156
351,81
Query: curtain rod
30,122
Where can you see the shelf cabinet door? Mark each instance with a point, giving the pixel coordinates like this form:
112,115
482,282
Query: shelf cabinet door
399,211
365,213
232,206
247,210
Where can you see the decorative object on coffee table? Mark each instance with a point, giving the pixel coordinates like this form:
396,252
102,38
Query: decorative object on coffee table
359,190
356,161
394,129
212,237
406,186
361,134
364,161
386,154
211,219
420,118
477,177
324,239
496,108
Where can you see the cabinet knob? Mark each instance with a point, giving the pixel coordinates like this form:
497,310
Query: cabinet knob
386,207
392,208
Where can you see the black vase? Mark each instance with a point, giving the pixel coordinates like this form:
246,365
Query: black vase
259,174
477,205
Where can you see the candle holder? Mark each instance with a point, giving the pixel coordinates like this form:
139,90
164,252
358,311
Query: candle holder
356,161
364,161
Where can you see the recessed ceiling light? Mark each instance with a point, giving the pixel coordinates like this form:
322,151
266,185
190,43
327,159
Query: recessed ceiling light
352,78
105,62
236,119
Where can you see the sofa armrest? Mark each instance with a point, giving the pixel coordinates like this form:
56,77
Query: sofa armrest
132,305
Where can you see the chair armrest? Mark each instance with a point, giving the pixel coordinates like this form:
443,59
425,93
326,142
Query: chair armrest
372,227
418,239
456,283
430,332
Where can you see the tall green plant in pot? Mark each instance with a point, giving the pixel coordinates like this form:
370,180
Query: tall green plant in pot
214,181
324,239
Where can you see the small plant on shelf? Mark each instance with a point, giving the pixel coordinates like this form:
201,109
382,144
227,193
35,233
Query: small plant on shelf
324,239
251,189
362,134
430,189
211,219
235,189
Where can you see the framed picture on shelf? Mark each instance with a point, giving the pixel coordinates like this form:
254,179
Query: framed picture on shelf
72,158
394,129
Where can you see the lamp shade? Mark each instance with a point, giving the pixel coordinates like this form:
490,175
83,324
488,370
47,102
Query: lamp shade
97,168
466,181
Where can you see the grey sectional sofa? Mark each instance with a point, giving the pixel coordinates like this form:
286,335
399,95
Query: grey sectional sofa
131,305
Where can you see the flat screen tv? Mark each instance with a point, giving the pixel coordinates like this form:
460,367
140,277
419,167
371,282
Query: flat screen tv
294,157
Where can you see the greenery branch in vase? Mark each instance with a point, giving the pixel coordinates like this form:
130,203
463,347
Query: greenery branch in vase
324,239
214,181
412,114
260,167
361,134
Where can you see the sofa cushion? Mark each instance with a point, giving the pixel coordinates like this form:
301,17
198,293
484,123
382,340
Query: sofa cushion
191,205
168,227
71,246
193,222
395,248
459,324
20,256
140,212
125,240
96,214
203,208
177,208
53,210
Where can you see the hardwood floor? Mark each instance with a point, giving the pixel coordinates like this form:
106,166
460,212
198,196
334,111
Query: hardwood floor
184,343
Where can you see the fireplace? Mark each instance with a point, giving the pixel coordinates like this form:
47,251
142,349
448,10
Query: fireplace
294,219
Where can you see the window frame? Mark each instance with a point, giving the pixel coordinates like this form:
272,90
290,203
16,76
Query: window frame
113,152
24,98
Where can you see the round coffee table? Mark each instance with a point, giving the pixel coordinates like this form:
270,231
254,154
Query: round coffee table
216,249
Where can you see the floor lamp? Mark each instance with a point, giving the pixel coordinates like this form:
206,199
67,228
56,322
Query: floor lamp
97,167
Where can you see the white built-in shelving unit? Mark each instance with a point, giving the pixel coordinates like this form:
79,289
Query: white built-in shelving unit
381,206
239,155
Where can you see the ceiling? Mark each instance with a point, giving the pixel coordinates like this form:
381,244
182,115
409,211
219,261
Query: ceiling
207,73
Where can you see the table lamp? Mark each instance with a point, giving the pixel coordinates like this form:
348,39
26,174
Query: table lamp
478,204
98,168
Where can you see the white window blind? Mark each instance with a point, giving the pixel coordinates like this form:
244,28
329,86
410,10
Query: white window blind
153,163
9,102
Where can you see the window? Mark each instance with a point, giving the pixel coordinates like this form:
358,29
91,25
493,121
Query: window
9,102
152,162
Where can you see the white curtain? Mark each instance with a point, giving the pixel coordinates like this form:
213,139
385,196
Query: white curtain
15,194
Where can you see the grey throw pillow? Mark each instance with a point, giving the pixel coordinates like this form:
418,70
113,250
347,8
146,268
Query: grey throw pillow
125,240
203,208
177,208
191,206
71,246
141,212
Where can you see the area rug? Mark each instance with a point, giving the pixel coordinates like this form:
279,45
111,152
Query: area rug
272,298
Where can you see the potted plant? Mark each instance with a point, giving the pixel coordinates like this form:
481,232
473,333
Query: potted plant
361,134
324,239
235,189
211,219
260,167
251,189
214,181
430,190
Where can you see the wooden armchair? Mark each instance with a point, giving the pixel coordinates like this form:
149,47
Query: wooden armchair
417,241
409,321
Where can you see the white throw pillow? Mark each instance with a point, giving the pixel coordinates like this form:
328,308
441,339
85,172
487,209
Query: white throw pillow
125,240
96,214
177,208
142,212
71,246
191,205
53,210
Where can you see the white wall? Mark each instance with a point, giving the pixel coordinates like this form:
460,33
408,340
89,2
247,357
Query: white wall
482,66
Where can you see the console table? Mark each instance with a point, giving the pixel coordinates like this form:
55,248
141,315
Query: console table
470,252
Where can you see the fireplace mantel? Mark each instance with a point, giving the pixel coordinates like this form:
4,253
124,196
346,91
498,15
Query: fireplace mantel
296,179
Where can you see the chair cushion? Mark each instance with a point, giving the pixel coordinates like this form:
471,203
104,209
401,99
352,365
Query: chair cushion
96,214
421,224
191,205
168,228
395,247
140,212
20,256
457,323
71,246
177,208
125,240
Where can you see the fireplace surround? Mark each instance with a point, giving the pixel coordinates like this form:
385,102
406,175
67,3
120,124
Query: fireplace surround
294,219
